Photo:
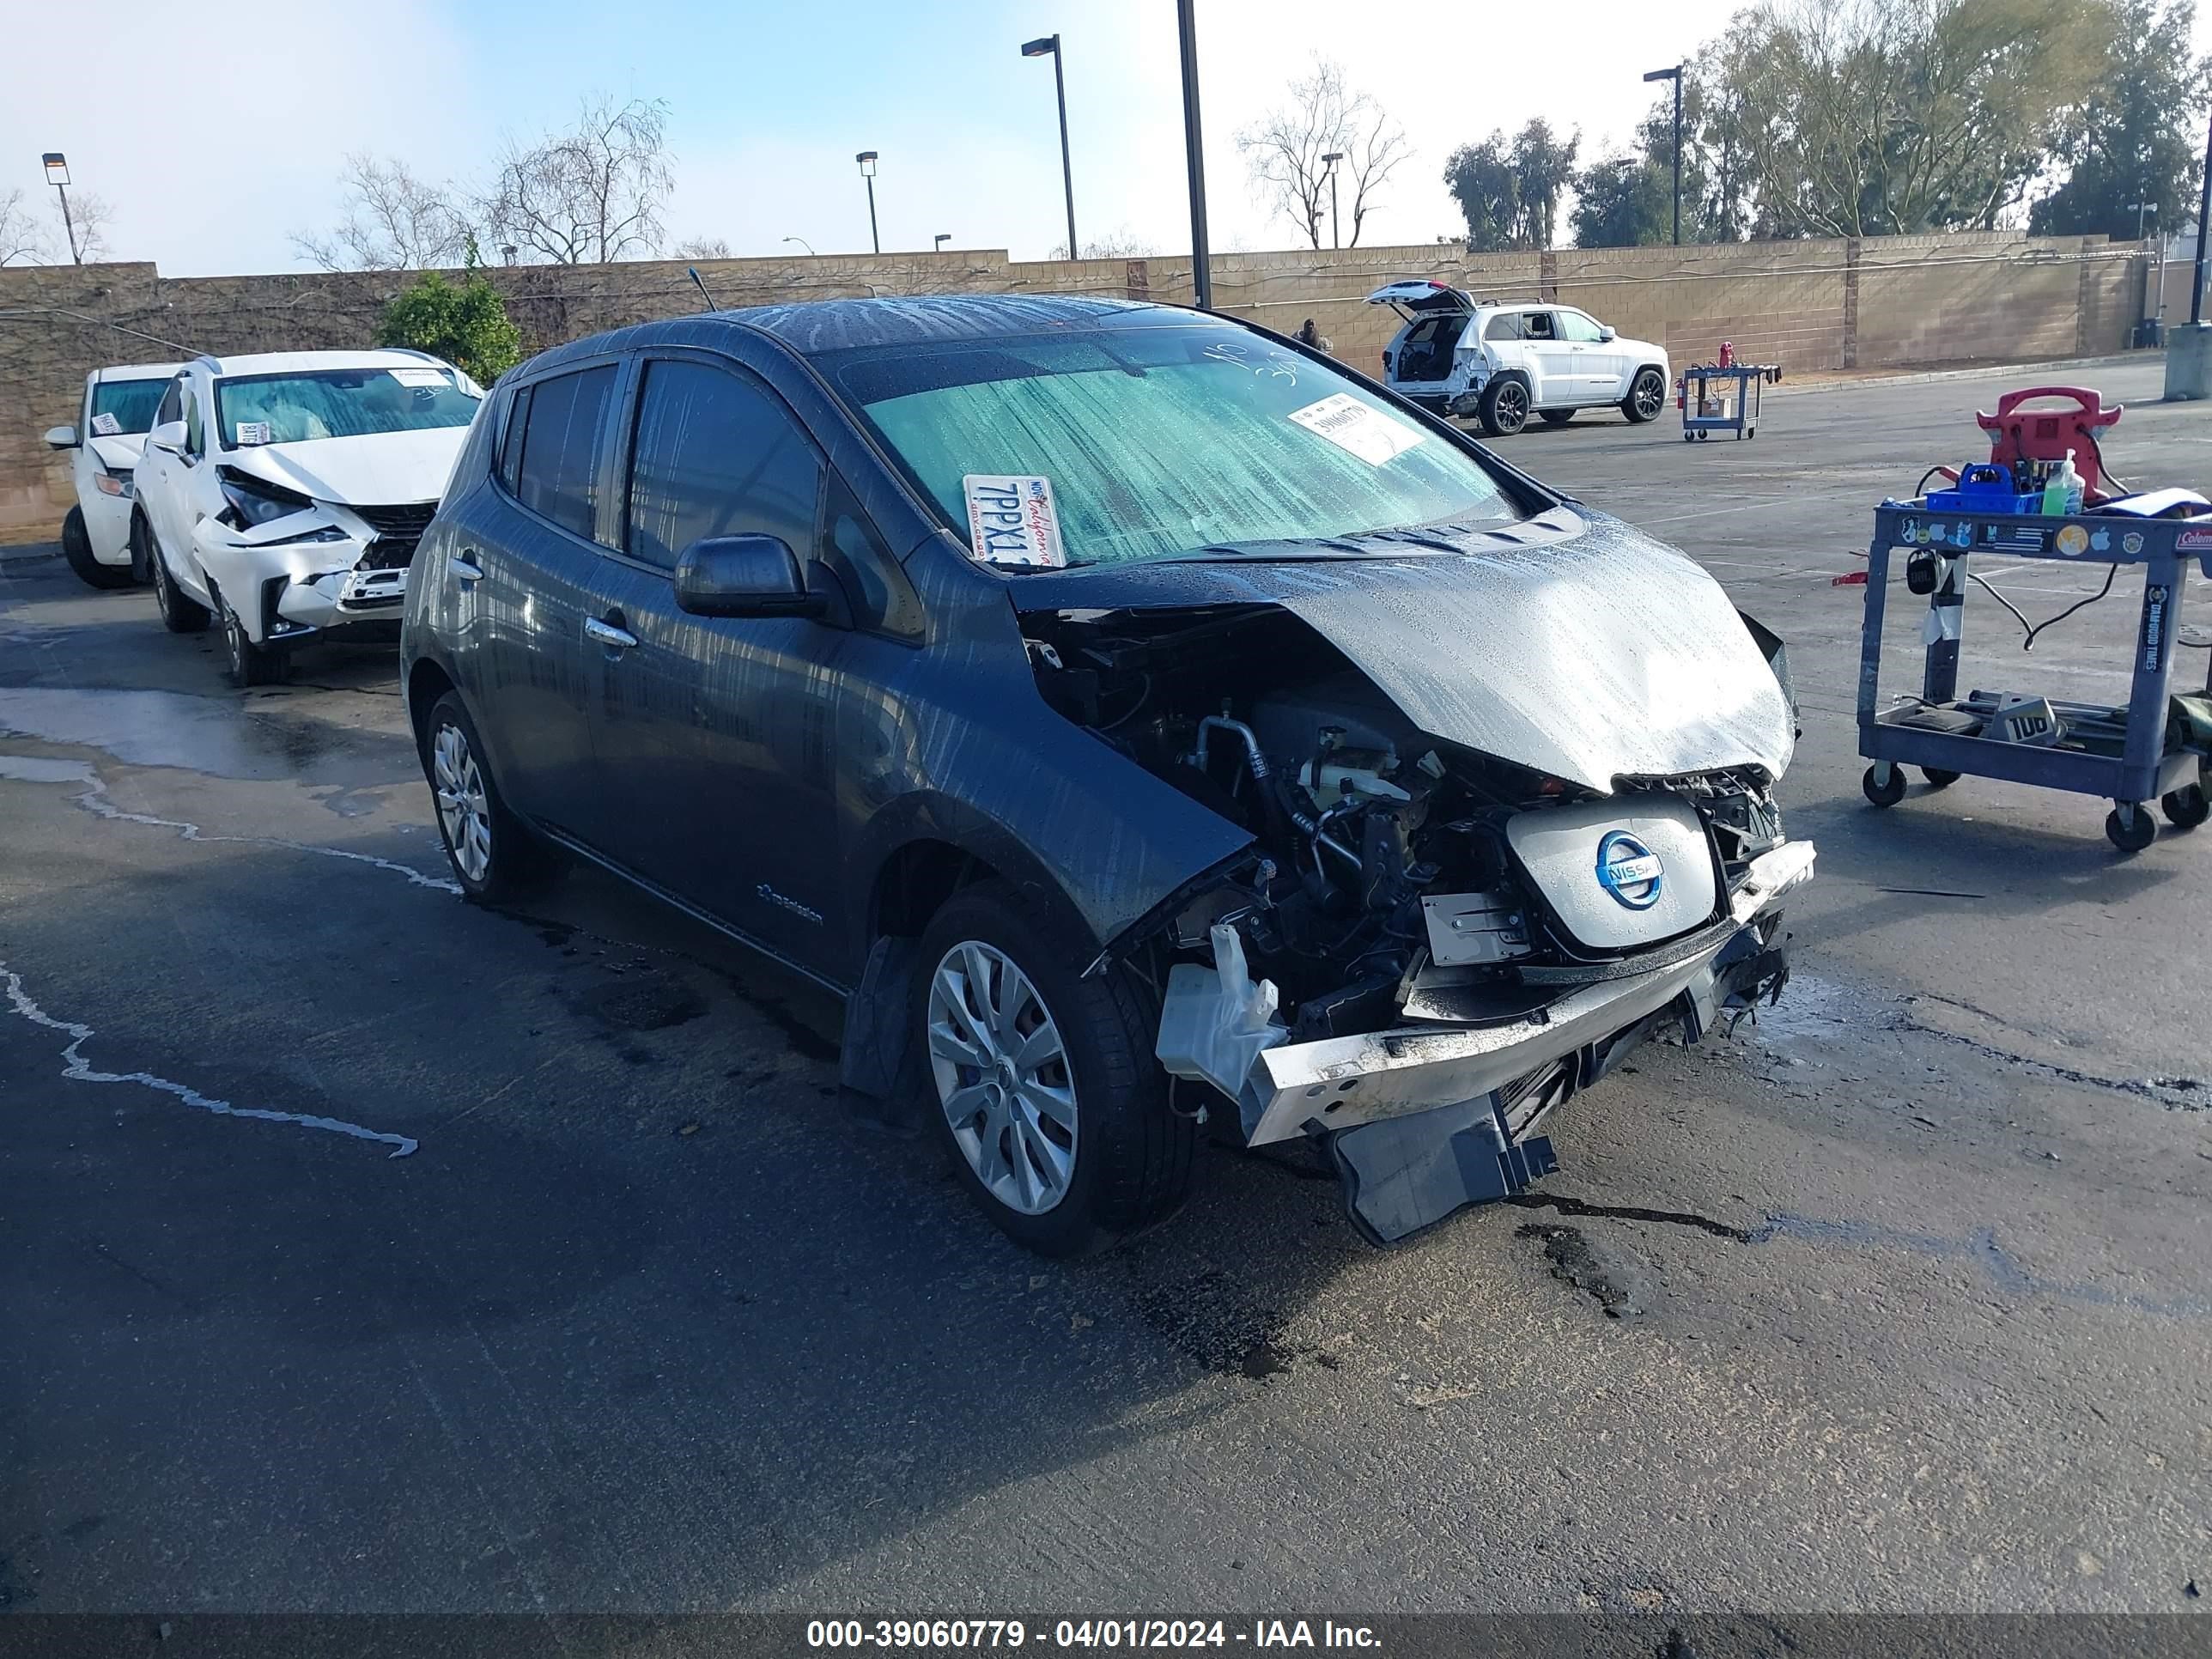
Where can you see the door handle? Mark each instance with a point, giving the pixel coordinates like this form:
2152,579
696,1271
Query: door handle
464,566
607,633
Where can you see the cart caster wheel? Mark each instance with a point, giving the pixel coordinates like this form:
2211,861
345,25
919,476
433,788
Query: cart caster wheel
2134,832
2185,809
1686,436
1884,784
1939,777
1702,436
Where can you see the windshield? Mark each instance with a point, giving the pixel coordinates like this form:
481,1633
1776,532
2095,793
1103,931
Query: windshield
121,408
1158,442
340,403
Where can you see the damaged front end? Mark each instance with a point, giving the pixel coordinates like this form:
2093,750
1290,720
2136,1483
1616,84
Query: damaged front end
1431,944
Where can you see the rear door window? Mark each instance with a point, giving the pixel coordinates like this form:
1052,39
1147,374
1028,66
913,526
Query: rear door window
558,476
716,455
1538,325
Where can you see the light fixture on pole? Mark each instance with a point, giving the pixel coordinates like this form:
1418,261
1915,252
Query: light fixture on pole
1201,256
939,241
804,243
1675,75
508,253
57,165
1049,46
866,158
1332,159
2141,208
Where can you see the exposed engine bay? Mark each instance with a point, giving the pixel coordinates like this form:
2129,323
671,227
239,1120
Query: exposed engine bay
1397,881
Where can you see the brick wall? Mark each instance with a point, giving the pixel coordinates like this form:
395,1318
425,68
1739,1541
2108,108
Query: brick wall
1891,301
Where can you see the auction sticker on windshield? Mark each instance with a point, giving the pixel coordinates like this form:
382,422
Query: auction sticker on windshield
1012,520
1351,426
105,425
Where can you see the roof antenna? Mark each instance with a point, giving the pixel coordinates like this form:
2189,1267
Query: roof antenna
693,272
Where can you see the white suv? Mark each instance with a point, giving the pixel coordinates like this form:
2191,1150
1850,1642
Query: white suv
110,430
1460,356
284,493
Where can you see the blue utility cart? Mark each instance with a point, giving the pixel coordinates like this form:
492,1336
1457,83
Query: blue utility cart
2146,750
1723,398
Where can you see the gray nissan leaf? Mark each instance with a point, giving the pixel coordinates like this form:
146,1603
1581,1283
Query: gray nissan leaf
1150,727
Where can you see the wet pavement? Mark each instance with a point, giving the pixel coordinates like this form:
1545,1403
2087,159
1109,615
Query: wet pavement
364,1250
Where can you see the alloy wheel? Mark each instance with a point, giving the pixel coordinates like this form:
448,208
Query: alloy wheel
463,807
1002,1075
1650,395
1512,406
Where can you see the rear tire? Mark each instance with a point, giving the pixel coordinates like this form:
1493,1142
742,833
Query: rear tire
1555,417
1647,395
76,548
180,614
1004,1019
495,857
1504,408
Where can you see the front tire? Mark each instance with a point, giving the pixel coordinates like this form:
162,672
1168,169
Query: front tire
1049,1099
1647,395
495,857
1504,407
76,548
180,613
250,664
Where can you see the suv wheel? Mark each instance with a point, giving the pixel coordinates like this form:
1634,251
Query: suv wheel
180,614
1049,1100
1504,407
250,664
494,855
76,548
1647,395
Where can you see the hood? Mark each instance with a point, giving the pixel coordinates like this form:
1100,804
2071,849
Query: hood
1572,644
119,454
380,468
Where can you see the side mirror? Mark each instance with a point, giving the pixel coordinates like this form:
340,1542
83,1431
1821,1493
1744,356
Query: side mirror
61,437
169,435
1605,335
744,577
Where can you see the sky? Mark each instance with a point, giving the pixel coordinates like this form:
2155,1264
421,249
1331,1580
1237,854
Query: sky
220,128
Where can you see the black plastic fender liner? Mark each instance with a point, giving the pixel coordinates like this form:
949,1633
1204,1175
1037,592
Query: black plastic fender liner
1402,1176
880,1072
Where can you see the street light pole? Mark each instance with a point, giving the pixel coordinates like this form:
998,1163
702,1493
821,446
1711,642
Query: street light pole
2203,212
1050,45
57,166
939,241
1201,256
1332,159
1675,75
866,158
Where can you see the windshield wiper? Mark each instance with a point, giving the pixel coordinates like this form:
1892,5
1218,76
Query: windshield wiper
1275,547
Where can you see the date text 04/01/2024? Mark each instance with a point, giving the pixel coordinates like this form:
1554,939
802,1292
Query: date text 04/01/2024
1005,1635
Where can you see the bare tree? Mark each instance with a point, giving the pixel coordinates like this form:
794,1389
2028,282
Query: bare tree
1283,151
393,222
592,194
21,237
1120,243
703,248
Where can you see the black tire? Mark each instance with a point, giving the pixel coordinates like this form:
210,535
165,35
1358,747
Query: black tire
1881,794
247,663
2134,834
1647,395
2187,807
1132,1155
1555,417
180,612
516,860
76,548
1504,407
1939,777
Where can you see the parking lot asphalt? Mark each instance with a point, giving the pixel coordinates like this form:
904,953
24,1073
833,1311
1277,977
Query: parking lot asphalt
1899,1300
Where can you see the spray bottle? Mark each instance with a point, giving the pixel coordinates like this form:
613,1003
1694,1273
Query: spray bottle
2063,493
